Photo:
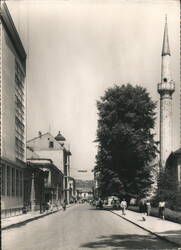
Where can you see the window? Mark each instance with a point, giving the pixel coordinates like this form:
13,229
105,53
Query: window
20,110
8,181
3,179
13,182
51,145
17,182
21,183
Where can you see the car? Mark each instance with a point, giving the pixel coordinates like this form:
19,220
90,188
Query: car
115,204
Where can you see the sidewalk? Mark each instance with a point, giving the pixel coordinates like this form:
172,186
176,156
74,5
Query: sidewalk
170,231
22,219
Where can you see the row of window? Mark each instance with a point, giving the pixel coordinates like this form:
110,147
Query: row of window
19,104
11,181
19,82
20,114
19,95
19,148
19,71
19,123
19,133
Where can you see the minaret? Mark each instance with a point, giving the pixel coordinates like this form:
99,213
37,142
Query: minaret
165,89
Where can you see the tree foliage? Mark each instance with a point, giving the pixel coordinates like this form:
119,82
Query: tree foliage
125,140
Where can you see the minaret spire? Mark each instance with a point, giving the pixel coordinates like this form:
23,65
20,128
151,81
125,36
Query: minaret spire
165,89
165,48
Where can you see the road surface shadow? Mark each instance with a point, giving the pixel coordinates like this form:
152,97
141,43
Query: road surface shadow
104,208
133,241
175,235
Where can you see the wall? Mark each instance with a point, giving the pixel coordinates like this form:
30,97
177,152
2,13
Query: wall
40,145
55,155
8,99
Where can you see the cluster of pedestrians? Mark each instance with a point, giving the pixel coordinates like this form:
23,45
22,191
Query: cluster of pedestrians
145,208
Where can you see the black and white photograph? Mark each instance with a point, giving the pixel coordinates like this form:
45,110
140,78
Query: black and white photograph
90,124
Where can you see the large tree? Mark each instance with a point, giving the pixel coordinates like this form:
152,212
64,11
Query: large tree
125,140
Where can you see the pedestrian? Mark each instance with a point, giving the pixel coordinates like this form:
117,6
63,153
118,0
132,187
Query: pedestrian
47,206
143,209
123,206
100,203
148,207
51,206
64,205
161,206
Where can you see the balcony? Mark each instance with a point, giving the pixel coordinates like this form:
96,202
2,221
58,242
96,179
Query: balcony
166,87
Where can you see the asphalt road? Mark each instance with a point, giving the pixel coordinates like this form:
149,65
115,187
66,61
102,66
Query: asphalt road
80,227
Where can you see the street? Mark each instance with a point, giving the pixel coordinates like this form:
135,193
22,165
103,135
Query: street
80,227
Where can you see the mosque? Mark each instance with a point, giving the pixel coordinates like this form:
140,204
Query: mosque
169,160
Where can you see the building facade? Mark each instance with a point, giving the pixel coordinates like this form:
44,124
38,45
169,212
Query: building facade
34,188
56,149
165,89
66,166
52,191
12,114
46,146
85,194
72,189
173,166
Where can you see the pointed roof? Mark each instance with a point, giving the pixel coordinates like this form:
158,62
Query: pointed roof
59,137
165,48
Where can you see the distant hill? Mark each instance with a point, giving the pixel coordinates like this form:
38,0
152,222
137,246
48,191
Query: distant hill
84,184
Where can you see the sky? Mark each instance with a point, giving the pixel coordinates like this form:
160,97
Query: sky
77,49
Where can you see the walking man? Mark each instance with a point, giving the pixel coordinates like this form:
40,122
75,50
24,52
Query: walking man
161,206
123,206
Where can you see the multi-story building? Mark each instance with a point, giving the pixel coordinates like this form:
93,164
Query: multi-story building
12,113
52,191
56,149
85,194
66,165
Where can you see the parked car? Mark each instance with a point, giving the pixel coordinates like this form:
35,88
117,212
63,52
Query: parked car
115,204
110,199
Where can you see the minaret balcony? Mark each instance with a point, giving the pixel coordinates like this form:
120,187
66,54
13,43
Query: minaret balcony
166,87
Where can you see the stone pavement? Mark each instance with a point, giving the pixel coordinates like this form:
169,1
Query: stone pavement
165,229
19,220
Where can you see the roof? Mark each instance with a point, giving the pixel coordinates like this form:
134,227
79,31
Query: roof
165,48
43,163
12,33
59,137
38,137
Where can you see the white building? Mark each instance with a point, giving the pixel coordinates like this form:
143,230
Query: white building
56,149
12,114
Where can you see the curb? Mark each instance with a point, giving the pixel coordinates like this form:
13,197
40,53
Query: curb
161,237
21,223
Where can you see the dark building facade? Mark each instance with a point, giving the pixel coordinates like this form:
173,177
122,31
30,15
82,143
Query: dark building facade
173,166
53,181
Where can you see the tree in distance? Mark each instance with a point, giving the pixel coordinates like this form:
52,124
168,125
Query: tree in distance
125,140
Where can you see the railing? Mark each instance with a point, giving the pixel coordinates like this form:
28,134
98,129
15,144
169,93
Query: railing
5,213
166,86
